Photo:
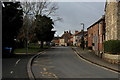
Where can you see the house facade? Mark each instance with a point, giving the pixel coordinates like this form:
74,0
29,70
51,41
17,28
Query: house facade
77,36
96,35
112,19
64,40
71,40
56,40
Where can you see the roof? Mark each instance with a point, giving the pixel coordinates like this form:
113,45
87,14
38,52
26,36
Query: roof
79,33
105,6
103,17
76,33
66,34
56,38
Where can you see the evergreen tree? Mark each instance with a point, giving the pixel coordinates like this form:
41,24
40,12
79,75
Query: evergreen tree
12,20
44,25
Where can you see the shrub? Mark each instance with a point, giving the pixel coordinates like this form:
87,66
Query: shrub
112,46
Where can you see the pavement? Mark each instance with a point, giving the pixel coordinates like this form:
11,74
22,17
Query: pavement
91,57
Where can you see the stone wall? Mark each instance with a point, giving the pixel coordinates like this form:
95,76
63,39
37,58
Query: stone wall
114,59
112,20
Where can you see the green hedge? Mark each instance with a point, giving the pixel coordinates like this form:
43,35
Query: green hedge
112,46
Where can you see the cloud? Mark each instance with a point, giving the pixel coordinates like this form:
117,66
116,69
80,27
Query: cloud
73,13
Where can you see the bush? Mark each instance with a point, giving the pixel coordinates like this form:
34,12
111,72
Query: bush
112,46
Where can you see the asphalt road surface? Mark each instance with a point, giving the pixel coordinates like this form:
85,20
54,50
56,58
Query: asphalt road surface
62,62
15,67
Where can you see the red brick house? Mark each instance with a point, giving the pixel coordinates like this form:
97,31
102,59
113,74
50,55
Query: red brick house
96,35
64,40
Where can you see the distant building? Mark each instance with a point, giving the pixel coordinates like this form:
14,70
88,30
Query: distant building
96,35
71,41
112,19
64,40
56,40
77,36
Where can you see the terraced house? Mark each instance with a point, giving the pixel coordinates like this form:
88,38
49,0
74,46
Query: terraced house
64,40
77,36
96,35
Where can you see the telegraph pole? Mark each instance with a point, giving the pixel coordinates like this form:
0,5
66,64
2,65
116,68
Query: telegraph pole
83,36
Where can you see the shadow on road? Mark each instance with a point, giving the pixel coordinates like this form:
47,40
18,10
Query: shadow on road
18,56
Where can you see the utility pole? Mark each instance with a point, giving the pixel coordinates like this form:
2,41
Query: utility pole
83,36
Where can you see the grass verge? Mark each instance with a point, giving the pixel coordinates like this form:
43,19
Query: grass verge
30,50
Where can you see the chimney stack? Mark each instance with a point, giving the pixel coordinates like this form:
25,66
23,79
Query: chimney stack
76,31
69,31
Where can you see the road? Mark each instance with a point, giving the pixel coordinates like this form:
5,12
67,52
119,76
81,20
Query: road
62,62
15,67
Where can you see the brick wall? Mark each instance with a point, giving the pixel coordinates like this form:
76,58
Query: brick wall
96,35
90,37
101,34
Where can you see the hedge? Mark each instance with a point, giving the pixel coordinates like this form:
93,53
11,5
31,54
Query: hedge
112,46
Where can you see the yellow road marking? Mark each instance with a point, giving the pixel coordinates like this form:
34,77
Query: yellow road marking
11,72
44,69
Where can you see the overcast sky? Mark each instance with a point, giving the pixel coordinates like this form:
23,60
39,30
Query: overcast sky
74,13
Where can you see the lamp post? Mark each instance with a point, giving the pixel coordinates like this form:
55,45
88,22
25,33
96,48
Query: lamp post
83,36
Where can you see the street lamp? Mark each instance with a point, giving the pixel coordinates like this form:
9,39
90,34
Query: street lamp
83,36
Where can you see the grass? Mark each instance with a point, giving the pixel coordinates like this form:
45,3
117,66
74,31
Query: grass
32,48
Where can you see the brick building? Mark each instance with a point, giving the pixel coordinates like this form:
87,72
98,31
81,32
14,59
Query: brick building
77,36
96,35
112,20
64,40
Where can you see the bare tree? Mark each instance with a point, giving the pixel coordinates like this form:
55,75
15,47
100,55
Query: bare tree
28,19
32,9
41,8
